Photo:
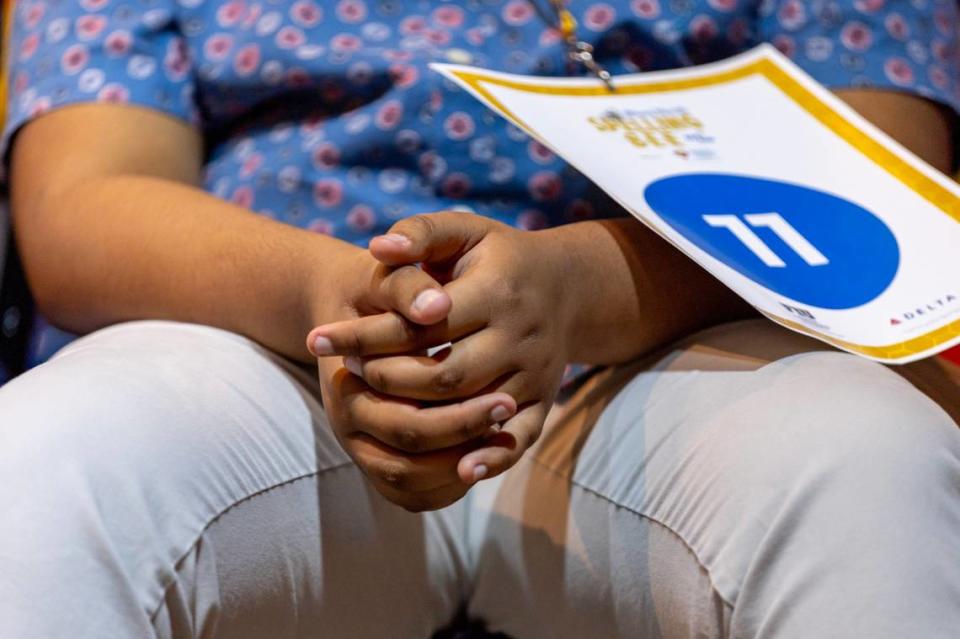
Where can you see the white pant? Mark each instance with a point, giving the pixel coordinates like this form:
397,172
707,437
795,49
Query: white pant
171,480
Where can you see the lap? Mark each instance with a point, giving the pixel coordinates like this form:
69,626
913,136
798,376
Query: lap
660,482
191,478
211,481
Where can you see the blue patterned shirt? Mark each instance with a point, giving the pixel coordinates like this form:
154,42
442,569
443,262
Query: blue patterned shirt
325,115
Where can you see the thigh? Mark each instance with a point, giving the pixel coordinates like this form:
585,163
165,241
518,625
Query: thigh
177,480
740,484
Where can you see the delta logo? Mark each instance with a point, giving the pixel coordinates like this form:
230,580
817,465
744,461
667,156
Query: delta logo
921,311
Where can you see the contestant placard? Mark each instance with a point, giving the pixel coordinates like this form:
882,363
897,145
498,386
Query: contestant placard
761,175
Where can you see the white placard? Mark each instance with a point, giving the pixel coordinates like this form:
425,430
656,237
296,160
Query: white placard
769,181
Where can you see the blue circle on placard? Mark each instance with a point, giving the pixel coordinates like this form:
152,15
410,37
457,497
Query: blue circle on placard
861,252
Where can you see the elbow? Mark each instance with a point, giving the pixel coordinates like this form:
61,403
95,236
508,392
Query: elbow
49,301
43,244
55,295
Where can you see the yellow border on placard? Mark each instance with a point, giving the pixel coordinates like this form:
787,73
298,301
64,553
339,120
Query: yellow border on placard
896,166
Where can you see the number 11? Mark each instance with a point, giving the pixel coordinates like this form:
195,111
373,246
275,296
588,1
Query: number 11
775,222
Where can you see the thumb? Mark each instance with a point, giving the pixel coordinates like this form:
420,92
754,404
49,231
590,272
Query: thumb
434,237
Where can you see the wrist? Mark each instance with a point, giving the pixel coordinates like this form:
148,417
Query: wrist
600,307
565,258
332,264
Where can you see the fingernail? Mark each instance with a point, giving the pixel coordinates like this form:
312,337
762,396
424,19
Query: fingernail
352,364
322,346
499,413
425,299
395,238
479,472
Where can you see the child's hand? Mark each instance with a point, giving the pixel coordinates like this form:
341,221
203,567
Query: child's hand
408,451
508,324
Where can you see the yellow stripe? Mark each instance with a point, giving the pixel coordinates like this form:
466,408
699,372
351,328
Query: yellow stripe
890,352
914,179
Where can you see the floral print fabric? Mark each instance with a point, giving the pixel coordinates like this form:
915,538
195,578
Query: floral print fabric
326,116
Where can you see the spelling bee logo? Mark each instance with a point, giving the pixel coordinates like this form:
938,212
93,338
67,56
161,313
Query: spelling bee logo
925,311
655,131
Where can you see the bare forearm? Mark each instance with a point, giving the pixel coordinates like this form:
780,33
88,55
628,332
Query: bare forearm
632,291
924,127
129,247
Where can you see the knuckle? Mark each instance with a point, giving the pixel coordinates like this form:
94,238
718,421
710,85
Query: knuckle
410,440
408,335
544,362
352,341
392,475
376,377
447,380
531,331
507,291
401,282
470,428
421,224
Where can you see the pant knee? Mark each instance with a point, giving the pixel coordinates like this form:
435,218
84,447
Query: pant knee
845,482
116,456
156,398
846,415
136,422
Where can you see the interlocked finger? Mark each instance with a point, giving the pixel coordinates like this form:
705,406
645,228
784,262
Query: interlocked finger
504,449
408,427
467,367
403,472
412,293
390,333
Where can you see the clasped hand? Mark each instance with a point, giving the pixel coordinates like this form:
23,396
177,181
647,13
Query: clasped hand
424,426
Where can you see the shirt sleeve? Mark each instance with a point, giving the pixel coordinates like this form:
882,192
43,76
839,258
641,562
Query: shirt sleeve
65,52
903,45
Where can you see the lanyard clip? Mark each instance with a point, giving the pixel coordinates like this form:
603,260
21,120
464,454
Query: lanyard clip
582,52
